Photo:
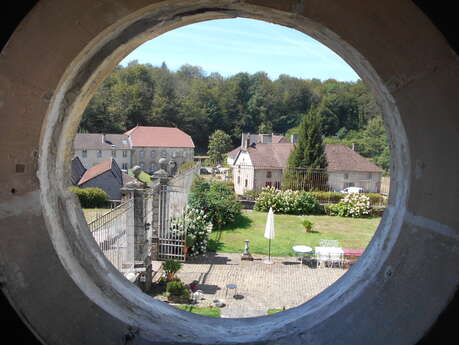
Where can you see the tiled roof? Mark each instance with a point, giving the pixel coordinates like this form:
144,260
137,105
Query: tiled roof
342,158
98,141
159,137
270,155
96,170
276,139
78,170
339,157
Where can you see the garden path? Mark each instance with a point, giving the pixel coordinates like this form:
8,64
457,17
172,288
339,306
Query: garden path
259,286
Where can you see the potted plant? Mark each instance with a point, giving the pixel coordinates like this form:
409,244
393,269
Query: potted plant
307,224
189,241
171,267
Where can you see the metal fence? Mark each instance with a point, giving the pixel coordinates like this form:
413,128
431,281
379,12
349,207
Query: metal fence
173,199
247,178
114,233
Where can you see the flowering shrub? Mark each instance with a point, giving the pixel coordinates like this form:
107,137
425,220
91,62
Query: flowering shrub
288,201
352,205
217,199
197,225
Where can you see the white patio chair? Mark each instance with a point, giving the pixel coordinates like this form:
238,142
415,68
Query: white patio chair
329,243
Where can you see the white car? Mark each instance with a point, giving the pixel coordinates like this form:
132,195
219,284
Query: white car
352,190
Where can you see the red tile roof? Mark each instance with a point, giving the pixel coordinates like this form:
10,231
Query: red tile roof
96,170
342,158
339,157
159,137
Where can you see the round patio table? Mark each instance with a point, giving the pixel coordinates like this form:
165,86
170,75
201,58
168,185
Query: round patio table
302,250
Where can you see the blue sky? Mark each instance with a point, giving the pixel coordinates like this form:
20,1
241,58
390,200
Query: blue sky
229,46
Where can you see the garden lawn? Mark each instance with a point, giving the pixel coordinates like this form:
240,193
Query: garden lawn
350,232
93,213
205,311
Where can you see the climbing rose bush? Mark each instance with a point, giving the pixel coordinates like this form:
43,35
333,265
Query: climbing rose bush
288,201
352,205
197,226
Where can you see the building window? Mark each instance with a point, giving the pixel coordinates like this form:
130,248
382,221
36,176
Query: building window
239,180
346,176
125,166
246,183
152,167
142,165
142,154
125,153
113,153
164,154
268,174
277,185
174,154
99,154
84,153
152,154
369,175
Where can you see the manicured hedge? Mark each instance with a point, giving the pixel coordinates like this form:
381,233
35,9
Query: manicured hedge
336,197
287,201
91,197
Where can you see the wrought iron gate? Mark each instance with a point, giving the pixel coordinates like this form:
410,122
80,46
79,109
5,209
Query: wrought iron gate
172,230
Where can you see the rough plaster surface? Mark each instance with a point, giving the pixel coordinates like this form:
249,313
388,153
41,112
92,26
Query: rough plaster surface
60,54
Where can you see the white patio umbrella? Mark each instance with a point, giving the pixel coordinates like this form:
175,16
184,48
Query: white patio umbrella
269,232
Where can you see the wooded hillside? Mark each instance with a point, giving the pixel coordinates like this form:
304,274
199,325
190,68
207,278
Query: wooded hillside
200,104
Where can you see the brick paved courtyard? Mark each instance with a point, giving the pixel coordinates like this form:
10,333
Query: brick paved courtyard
260,287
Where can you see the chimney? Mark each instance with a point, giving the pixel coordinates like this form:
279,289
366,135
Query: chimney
353,147
266,138
245,140
294,138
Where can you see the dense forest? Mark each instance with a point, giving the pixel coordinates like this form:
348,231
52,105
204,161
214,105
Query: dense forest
201,103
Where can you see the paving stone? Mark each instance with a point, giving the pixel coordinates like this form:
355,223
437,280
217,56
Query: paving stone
286,283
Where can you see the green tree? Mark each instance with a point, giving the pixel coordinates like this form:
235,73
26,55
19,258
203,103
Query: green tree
307,161
219,145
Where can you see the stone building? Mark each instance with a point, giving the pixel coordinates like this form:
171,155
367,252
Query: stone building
106,175
94,148
141,145
149,144
262,163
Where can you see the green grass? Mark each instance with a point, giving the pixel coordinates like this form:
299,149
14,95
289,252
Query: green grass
350,232
273,311
93,213
205,311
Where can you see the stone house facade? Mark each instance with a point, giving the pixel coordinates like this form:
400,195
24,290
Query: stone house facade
141,145
150,144
261,164
94,148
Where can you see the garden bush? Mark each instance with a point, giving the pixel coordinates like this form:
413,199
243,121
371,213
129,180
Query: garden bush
352,205
176,288
288,201
328,197
216,199
197,225
91,197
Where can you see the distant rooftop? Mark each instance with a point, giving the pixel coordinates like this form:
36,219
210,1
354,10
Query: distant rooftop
143,136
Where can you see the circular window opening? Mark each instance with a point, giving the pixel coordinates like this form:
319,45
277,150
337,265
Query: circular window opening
188,164
97,279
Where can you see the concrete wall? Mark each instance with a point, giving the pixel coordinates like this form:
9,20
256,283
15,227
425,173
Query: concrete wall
92,157
151,156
